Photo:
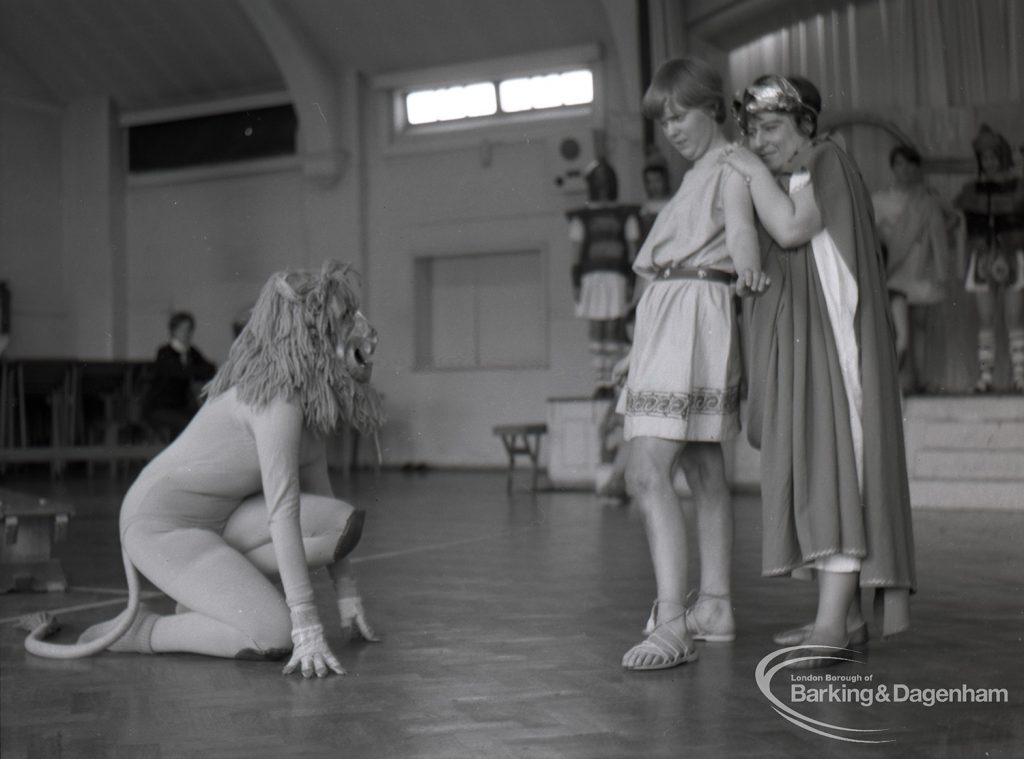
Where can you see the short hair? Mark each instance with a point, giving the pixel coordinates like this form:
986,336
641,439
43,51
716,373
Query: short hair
686,83
807,120
907,152
180,317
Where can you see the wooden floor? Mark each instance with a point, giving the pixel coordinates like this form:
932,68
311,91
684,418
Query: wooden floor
504,620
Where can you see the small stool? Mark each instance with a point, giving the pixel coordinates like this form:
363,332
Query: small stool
31,527
522,439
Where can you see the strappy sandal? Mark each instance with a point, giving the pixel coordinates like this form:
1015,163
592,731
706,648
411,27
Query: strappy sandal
669,647
698,631
692,625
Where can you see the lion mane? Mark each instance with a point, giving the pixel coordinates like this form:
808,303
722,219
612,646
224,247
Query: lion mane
287,349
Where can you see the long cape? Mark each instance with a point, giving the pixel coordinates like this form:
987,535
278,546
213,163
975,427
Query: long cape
798,409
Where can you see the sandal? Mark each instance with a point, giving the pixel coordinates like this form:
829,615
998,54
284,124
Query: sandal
698,631
858,636
669,647
692,625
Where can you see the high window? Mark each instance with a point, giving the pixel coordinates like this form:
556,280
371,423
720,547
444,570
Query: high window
506,96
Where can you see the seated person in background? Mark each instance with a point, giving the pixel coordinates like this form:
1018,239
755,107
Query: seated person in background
178,372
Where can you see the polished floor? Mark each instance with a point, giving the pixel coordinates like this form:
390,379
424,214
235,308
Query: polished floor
504,619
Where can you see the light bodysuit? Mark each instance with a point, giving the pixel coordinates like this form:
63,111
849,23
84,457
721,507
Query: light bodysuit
241,494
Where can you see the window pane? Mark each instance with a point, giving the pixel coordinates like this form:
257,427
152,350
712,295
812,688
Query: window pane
513,312
577,87
453,314
450,103
481,311
515,95
547,91
419,107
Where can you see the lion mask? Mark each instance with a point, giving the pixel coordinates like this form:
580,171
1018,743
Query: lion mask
306,340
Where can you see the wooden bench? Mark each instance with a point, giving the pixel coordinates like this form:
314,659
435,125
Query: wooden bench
522,439
32,526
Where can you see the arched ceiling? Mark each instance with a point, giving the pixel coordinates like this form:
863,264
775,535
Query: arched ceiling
152,54
149,54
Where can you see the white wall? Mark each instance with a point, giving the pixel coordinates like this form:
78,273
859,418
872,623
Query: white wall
448,202
207,245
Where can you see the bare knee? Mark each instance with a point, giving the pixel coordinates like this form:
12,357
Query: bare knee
704,467
644,478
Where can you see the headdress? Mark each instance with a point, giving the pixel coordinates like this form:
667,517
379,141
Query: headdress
772,93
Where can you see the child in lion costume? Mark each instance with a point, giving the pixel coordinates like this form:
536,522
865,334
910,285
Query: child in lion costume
243,495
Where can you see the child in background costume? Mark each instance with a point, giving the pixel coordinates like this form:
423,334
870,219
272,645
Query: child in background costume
604,235
243,494
824,397
913,228
993,207
682,392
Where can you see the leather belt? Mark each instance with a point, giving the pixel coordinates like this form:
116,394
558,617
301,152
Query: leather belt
700,272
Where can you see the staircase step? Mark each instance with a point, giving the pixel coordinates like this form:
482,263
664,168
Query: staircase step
1001,465
961,494
963,408
987,434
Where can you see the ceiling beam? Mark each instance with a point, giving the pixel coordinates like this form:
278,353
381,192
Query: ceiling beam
312,84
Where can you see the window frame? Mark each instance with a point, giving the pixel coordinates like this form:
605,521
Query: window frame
423,361
402,137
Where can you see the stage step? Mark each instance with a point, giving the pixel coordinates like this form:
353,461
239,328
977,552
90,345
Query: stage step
983,434
966,452
967,464
960,494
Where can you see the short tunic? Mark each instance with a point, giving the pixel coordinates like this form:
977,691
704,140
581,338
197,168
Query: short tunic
606,234
685,365
911,225
994,215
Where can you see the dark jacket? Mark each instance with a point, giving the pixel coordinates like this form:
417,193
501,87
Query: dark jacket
173,379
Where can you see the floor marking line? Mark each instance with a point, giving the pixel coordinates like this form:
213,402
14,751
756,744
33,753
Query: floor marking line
123,594
435,546
146,595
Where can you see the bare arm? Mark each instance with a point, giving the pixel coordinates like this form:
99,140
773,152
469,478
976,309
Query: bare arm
790,220
740,235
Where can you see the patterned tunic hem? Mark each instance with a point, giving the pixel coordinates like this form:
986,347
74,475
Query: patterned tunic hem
702,400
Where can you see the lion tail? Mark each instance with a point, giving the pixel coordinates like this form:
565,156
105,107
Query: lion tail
42,625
